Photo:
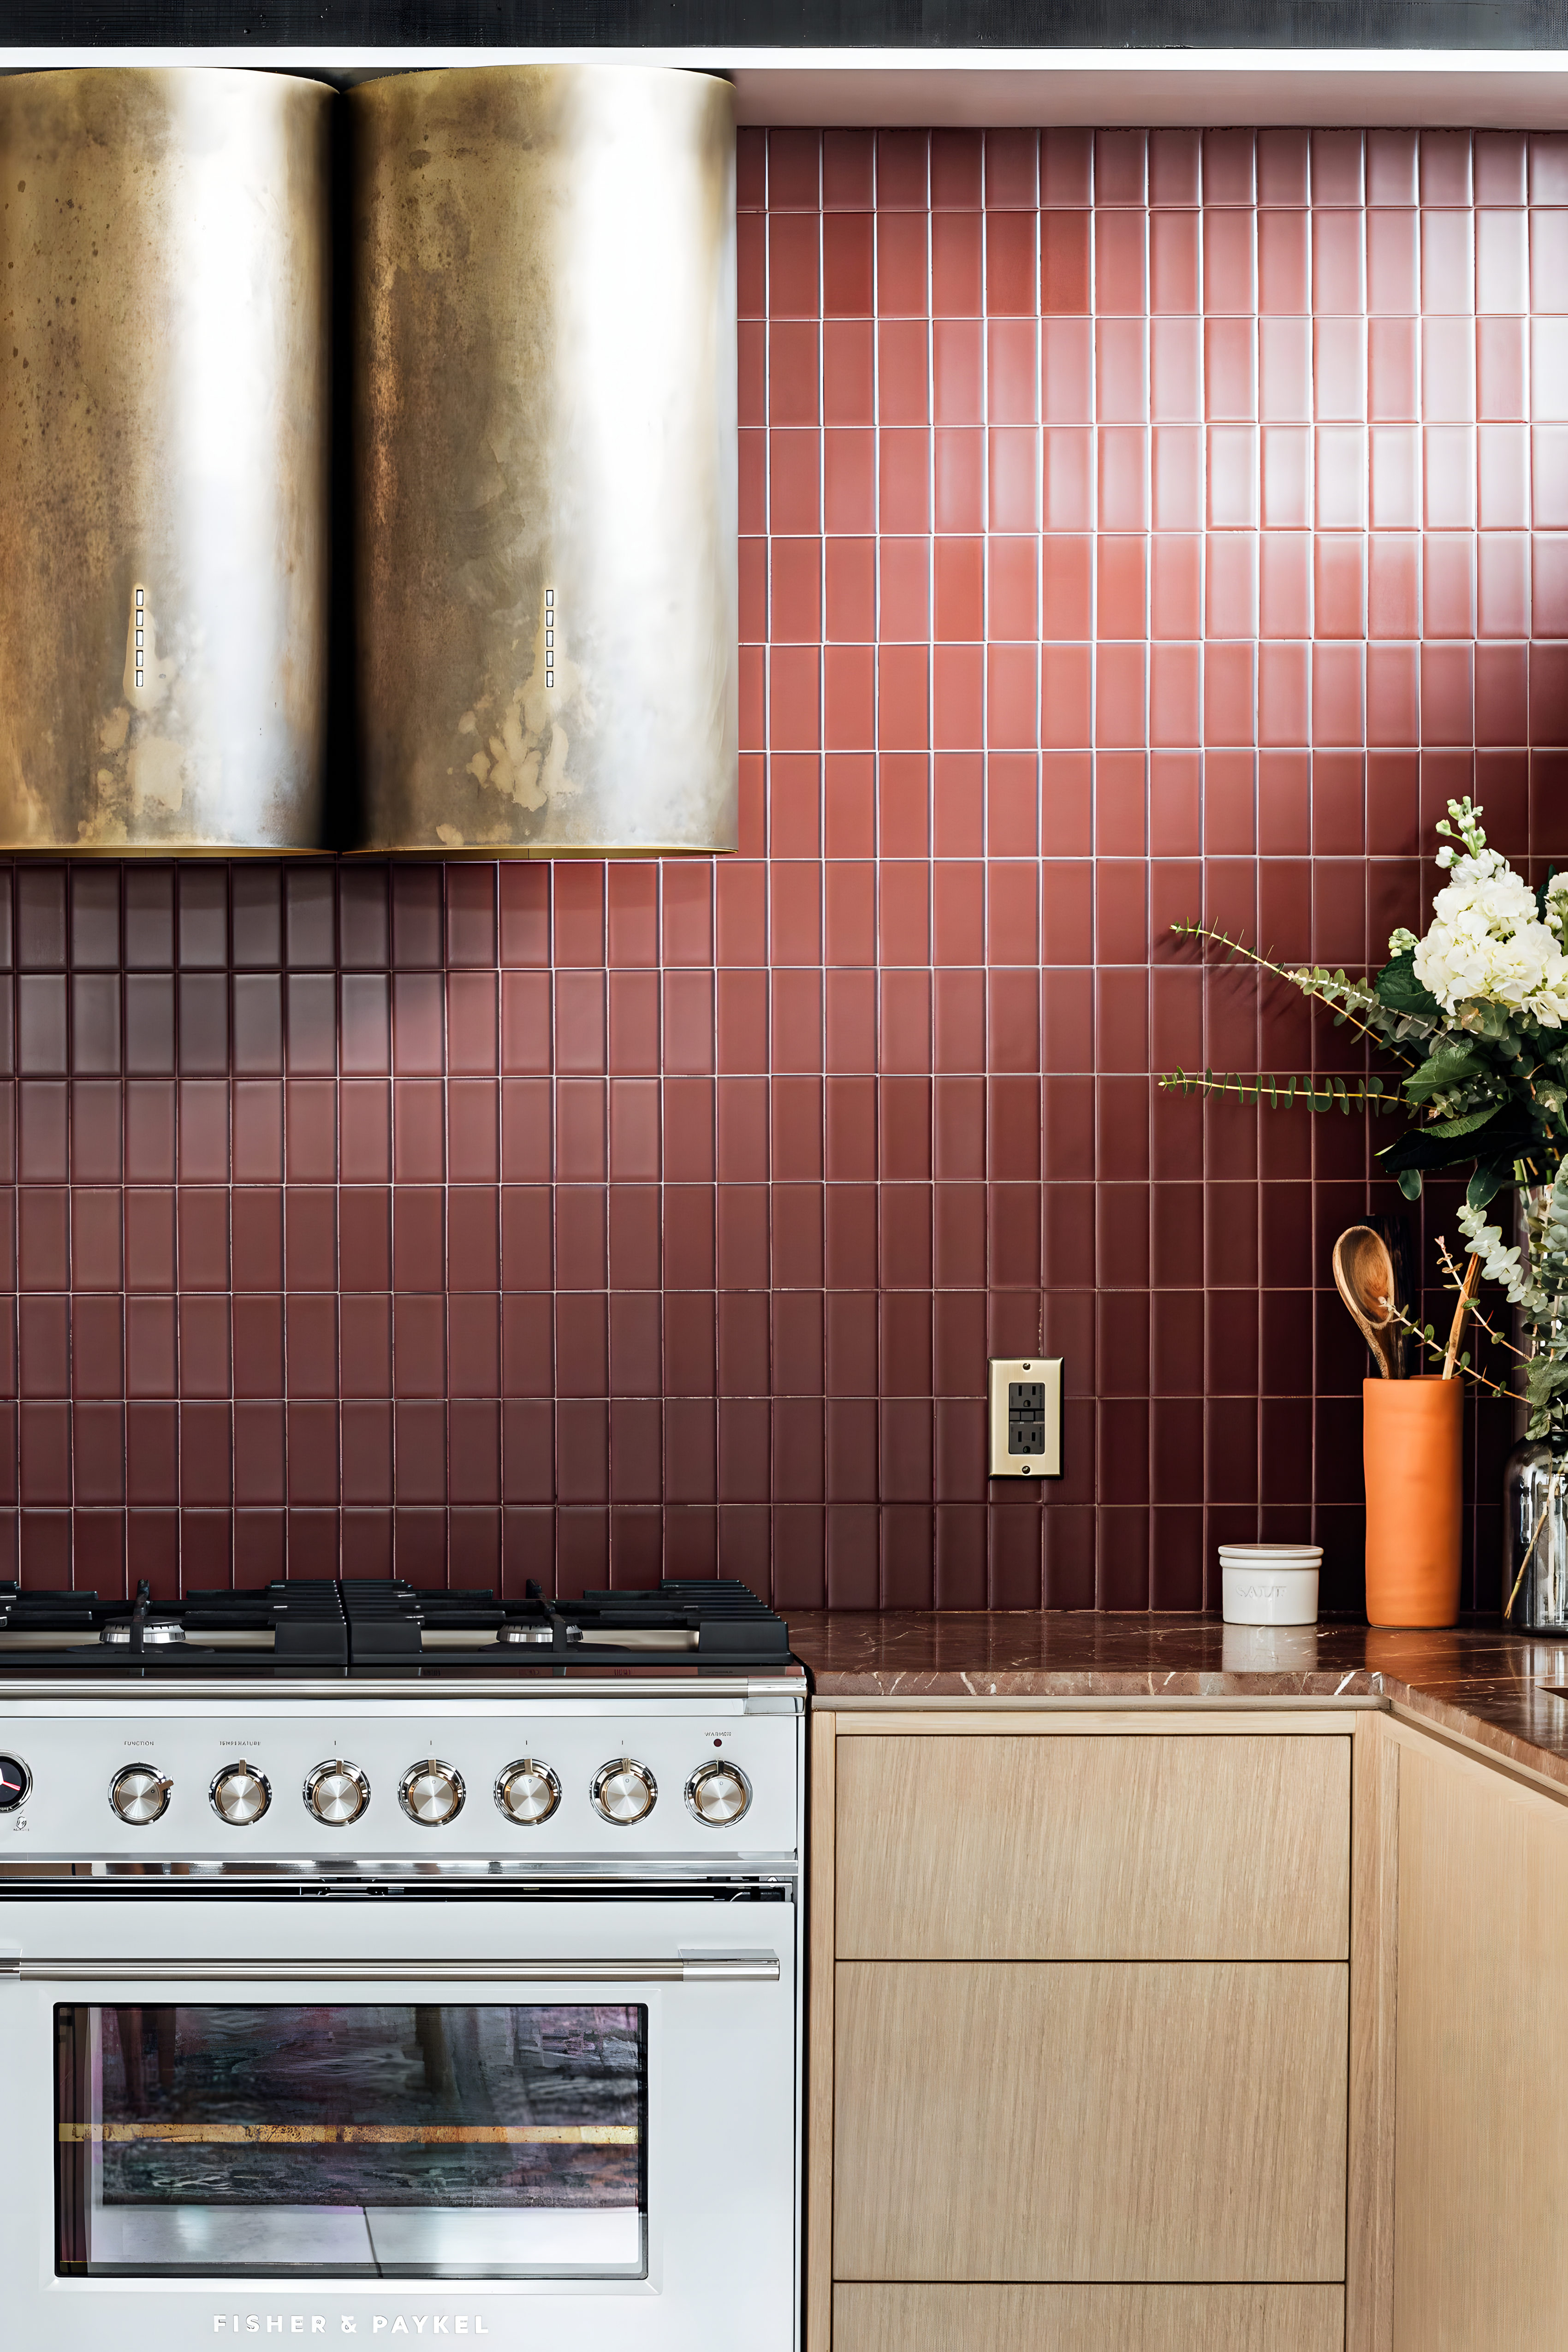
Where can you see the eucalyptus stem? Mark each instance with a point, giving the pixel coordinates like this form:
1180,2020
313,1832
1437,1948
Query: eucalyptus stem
1477,1318
1282,1092
1307,984
1435,1347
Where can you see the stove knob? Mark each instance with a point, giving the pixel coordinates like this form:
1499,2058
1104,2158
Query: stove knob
337,1794
140,1794
718,1794
527,1791
432,1793
625,1792
15,1781
241,1794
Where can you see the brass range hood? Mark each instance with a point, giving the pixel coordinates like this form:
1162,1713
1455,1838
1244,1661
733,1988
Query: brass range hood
164,495
537,496
544,415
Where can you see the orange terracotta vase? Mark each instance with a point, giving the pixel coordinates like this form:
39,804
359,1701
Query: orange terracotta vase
1411,1433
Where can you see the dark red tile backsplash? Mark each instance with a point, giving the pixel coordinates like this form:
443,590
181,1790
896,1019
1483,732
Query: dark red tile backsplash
1134,526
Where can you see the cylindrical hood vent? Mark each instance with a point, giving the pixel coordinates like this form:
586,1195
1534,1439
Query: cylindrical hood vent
546,461
164,465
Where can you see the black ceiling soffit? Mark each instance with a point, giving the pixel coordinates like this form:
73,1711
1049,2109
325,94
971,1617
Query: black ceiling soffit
740,24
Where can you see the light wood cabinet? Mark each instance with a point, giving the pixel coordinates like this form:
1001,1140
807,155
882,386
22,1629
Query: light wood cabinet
1148,2033
1096,2120
1099,1847
1480,2256
1080,2031
1088,2319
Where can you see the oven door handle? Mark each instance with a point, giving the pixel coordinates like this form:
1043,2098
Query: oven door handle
691,1968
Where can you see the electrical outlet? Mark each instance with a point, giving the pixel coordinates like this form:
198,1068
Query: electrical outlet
1026,1417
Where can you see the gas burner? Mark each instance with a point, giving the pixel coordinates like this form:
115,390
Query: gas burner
710,1625
300,1623
710,1621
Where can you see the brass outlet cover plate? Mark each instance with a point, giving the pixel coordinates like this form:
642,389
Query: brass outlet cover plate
1026,1417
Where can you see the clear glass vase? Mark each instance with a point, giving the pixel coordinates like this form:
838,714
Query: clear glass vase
1535,1488
1535,1521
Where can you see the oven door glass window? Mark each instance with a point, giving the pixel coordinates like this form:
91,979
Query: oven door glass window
351,2141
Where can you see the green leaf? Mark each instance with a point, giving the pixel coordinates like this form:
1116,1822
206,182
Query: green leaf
1546,1377
1410,1183
1419,1147
1473,1119
1448,1066
1488,1181
1511,1136
1397,987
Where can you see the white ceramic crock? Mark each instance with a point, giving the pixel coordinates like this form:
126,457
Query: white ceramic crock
1270,1584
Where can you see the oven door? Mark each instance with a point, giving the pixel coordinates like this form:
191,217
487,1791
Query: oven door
570,2125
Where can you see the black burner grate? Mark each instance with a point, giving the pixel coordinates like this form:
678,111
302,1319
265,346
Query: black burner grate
385,1625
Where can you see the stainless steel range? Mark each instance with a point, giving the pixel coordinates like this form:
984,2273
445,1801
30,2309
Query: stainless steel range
385,1964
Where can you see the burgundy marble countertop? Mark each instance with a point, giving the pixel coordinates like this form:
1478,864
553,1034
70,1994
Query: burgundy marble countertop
1476,1681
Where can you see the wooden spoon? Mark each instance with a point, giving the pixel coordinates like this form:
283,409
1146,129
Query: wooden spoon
1395,1231
1363,1271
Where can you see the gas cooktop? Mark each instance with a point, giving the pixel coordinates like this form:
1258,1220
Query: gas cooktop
712,1625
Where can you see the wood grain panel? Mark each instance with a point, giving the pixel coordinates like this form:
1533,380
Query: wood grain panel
819,2041
1087,2319
1104,1847
1057,1718
1480,2253
1374,1951
1090,2122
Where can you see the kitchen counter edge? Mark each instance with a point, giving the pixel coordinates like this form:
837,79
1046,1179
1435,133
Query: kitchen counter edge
1479,1686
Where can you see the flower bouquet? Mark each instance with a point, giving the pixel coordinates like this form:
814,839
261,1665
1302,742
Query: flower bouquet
1473,1019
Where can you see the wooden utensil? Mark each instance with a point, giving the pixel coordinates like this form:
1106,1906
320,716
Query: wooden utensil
1395,1231
1457,1329
1363,1272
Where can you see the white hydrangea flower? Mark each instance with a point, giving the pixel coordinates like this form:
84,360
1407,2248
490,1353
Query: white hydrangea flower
1485,939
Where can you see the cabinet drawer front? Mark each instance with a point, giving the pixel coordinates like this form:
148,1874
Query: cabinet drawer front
1088,2318
1142,1847
1090,2121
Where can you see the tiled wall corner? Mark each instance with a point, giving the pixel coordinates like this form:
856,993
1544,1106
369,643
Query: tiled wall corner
1134,526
